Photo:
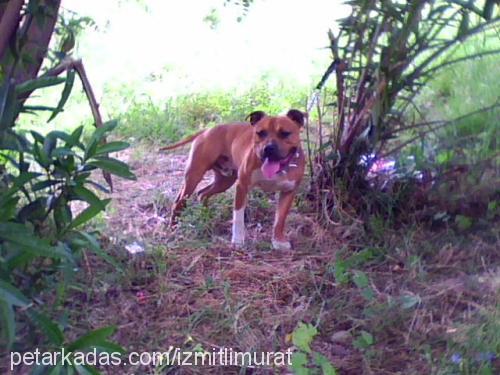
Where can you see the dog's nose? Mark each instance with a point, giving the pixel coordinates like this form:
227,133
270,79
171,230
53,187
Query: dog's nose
271,151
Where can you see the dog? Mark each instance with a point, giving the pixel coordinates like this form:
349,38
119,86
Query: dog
266,153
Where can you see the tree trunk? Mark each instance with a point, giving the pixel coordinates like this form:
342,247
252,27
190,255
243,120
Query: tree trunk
39,30
10,15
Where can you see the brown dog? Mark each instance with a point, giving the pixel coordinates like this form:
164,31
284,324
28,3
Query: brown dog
267,154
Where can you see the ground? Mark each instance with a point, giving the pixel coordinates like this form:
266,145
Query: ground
413,302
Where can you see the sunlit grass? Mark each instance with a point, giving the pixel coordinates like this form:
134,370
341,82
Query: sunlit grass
460,89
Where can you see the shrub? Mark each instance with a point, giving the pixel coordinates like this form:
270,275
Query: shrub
41,176
383,55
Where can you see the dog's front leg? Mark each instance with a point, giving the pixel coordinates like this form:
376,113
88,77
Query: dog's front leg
285,202
240,202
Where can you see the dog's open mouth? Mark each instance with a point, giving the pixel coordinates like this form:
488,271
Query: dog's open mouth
270,168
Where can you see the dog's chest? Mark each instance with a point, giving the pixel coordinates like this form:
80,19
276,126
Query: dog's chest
278,183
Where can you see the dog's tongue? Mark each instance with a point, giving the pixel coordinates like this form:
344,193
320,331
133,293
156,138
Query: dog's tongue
270,168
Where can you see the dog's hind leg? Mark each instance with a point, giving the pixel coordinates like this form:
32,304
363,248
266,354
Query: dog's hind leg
220,184
199,162
192,179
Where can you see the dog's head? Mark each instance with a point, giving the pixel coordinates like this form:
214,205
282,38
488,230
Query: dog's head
276,139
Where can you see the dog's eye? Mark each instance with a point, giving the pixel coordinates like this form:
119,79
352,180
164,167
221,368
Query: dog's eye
284,134
262,134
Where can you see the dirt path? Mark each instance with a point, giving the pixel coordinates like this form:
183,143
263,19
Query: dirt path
140,208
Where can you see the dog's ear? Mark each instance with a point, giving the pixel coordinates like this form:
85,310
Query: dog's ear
255,117
296,116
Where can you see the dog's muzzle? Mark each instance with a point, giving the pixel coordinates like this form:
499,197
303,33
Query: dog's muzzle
271,152
273,163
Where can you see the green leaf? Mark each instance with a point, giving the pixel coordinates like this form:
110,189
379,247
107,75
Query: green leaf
364,256
303,335
59,134
25,177
68,86
33,108
90,149
63,151
493,209
62,214
464,24
37,83
110,347
409,300
340,272
48,327
37,136
40,185
107,127
87,214
12,295
94,246
111,147
92,339
8,207
299,363
360,279
113,166
367,337
97,137
18,260
364,341
74,138
368,294
463,222
19,236
324,363
8,158
56,370
15,141
84,194
41,156
8,323
444,157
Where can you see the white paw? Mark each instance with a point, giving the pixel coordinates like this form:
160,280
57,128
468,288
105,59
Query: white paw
238,239
237,244
281,245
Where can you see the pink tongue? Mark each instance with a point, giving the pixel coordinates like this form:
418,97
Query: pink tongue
270,168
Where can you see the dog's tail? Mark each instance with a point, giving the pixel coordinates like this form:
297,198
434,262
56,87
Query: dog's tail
187,140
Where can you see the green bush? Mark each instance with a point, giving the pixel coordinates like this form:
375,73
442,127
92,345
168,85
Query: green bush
41,242
456,91
145,119
385,56
41,177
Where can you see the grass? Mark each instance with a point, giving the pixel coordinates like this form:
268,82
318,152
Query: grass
147,120
383,300
461,89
